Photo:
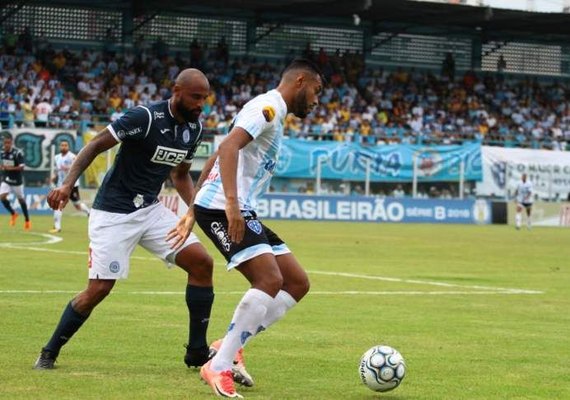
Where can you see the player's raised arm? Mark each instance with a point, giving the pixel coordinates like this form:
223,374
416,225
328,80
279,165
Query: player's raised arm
229,155
58,197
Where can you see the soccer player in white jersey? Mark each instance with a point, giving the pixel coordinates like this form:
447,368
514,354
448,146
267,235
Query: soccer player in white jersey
225,207
524,194
63,162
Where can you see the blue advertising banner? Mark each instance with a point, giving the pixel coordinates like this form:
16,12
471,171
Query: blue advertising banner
372,209
390,163
36,200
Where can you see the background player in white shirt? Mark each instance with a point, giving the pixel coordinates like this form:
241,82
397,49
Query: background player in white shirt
225,210
524,194
63,162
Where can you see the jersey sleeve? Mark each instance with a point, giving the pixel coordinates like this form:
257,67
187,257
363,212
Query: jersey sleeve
134,125
256,117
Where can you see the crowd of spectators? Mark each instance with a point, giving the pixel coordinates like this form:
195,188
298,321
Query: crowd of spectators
41,86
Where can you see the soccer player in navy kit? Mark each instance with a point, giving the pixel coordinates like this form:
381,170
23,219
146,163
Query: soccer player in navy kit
156,141
12,165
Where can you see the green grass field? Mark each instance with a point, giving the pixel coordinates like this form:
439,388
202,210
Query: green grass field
478,312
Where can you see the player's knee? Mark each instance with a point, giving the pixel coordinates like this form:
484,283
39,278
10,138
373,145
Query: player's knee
99,292
303,287
298,288
272,284
203,266
199,265
87,300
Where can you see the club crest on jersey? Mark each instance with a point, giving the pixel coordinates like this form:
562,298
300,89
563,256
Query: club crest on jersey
268,113
254,225
168,156
186,136
138,201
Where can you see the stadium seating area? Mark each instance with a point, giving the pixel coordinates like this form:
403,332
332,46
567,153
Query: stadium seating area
42,86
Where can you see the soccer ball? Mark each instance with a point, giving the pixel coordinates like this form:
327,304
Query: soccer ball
382,368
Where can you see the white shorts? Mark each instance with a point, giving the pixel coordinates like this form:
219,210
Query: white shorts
113,238
18,190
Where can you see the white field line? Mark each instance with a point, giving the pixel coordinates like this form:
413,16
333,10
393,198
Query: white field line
432,283
312,293
49,239
473,289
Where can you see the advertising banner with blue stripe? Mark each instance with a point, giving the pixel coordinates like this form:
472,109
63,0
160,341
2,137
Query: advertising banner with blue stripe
390,163
372,209
36,200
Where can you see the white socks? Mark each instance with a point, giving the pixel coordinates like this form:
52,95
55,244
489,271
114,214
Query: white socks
57,215
247,319
275,309
84,208
57,219
282,303
518,220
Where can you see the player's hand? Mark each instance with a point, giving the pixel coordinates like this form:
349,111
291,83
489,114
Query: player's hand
178,235
57,198
236,222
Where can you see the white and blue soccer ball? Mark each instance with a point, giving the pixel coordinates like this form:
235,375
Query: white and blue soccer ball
382,368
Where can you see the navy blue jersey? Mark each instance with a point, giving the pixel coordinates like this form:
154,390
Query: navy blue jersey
153,142
12,158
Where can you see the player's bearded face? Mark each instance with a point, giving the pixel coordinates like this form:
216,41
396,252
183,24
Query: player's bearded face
190,112
302,106
307,98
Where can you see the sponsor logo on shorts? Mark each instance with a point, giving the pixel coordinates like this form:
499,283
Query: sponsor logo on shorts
168,156
114,267
219,231
158,115
254,225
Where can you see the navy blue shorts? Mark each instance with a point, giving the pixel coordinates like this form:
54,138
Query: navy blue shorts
257,239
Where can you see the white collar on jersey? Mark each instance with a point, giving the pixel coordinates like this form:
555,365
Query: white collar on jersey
169,110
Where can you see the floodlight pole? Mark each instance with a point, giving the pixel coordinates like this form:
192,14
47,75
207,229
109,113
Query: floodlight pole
320,159
367,179
414,176
461,178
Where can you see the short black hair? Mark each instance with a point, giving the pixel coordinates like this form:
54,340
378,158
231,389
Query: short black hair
305,64
7,135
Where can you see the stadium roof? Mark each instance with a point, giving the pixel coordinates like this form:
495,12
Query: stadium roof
398,16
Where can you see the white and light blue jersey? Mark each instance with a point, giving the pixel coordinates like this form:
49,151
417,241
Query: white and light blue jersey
263,118
524,192
63,165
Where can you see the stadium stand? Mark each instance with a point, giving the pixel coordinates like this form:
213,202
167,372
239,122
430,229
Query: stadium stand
441,94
